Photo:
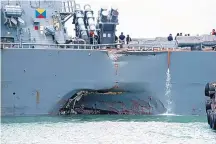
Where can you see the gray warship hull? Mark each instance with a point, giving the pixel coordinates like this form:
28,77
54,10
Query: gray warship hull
40,81
44,71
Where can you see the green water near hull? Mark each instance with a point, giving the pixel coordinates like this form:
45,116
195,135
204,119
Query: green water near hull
96,118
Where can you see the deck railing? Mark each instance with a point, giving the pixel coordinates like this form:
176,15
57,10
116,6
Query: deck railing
57,46
129,47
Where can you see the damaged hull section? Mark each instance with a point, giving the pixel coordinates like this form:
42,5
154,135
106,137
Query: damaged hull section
112,102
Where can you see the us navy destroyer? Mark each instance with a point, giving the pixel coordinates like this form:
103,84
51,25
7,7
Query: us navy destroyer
44,71
210,92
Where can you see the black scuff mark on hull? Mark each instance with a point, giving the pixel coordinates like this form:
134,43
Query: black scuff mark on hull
86,110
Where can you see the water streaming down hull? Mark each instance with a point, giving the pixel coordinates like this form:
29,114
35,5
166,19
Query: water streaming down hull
168,92
102,81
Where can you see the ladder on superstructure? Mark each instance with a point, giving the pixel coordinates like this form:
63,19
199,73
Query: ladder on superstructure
67,9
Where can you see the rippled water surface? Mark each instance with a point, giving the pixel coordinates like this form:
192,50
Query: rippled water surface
107,130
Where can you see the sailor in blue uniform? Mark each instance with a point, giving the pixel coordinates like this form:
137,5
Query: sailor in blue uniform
122,38
170,38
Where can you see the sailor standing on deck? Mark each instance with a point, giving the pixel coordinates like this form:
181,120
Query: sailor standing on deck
122,39
170,38
128,39
213,32
176,35
91,37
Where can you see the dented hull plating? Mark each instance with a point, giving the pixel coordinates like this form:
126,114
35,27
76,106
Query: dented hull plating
39,81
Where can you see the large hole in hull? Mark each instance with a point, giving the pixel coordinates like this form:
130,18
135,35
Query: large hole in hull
111,102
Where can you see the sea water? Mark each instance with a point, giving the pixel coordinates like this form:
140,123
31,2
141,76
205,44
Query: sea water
107,129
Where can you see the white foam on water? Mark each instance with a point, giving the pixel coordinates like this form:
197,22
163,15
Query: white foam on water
168,94
169,114
108,133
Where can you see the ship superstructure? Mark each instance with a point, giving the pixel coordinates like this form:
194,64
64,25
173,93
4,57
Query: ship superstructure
44,22
44,71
